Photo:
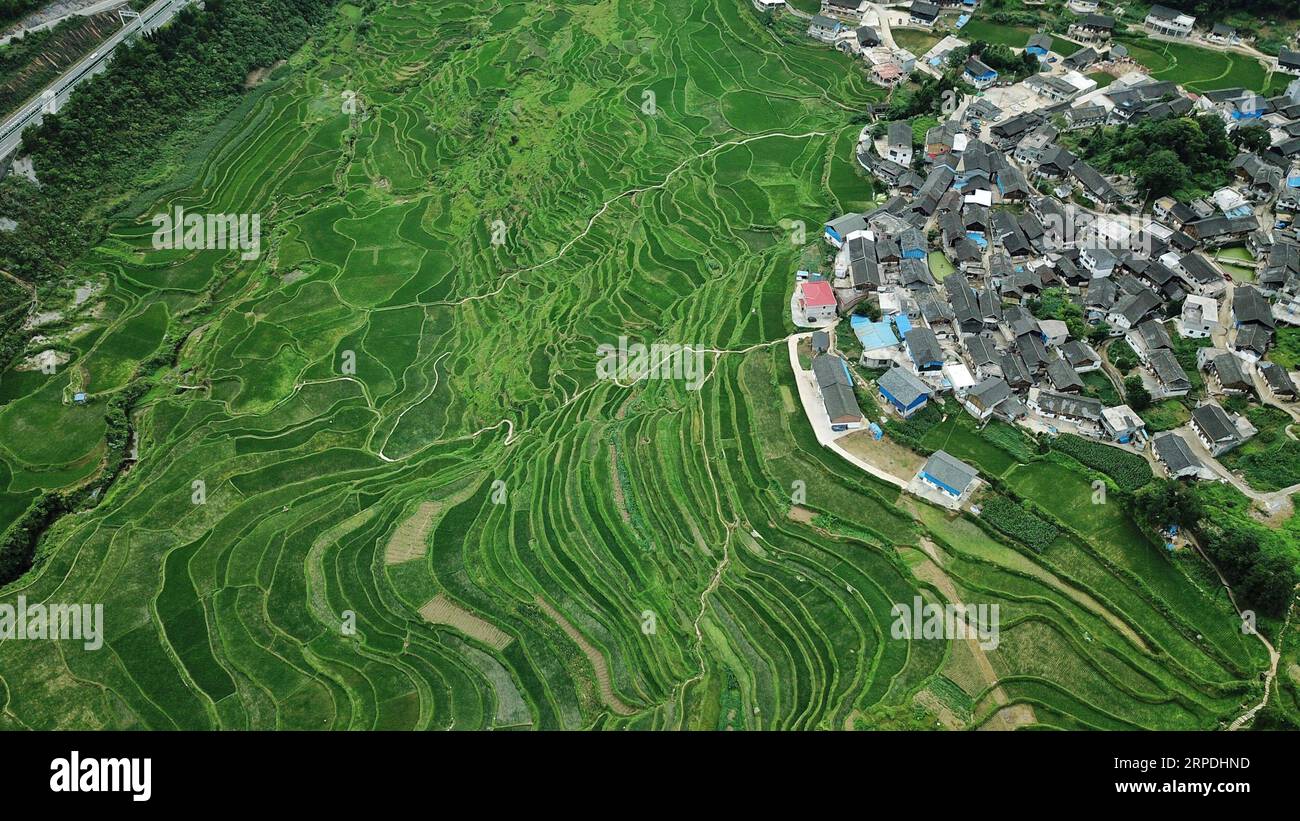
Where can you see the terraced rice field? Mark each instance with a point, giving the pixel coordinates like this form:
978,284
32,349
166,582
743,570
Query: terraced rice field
470,529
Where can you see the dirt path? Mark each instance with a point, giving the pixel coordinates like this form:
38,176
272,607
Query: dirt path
1276,504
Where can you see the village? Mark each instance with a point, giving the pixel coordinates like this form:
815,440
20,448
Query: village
1005,277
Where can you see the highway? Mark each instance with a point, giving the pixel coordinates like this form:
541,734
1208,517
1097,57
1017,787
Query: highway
58,92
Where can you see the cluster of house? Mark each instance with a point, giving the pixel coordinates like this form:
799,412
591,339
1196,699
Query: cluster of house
1014,213
943,474
887,66
1163,21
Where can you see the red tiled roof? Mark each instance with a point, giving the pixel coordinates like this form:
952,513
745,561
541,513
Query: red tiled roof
817,294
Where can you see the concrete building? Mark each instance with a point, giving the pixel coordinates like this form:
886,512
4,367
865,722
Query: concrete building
1218,431
836,389
1169,22
948,474
816,301
903,390
1177,457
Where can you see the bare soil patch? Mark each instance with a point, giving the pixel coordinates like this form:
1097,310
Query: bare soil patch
408,540
802,515
1010,716
886,454
442,610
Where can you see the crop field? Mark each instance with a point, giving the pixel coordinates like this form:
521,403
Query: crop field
1013,36
378,482
1199,69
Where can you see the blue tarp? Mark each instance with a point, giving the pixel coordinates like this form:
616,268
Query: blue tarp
963,20
977,238
903,324
876,432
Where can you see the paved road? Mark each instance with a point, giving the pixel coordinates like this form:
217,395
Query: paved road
882,25
56,94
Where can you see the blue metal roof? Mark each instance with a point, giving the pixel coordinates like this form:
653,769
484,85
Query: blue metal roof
873,335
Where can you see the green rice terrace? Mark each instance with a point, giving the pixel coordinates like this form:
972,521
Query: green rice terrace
376,482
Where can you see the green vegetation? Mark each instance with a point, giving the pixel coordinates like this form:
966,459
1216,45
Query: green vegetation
1011,23
1201,69
1010,66
1096,384
475,455
1122,355
1286,347
1101,78
1166,415
155,90
1191,158
940,265
29,63
1135,393
1129,470
926,97
11,10
994,449
1269,460
1055,303
1017,521
917,41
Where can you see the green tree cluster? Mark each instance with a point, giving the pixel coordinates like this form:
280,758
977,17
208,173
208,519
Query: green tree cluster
1182,156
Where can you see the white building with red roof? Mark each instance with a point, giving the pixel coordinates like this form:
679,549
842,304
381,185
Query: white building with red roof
814,303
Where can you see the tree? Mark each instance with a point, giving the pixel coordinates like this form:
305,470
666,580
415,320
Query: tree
1233,548
1252,138
1269,585
1122,356
1167,503
1162,173
1139,398
1186,155
868,309
1273,717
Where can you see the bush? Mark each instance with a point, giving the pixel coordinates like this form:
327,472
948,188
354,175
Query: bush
1122,356
911,431
1011,439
